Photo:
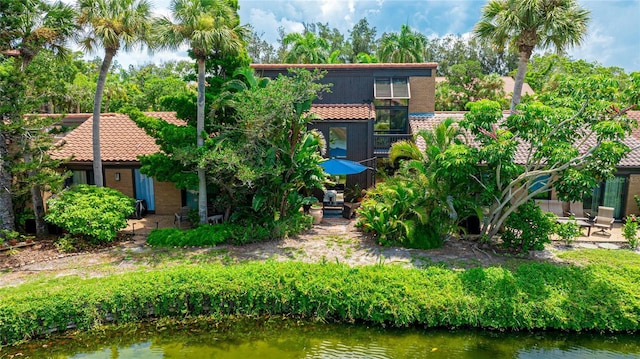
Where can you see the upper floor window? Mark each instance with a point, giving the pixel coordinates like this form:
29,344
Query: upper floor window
391,87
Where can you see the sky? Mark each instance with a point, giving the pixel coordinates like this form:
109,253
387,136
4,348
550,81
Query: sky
613,35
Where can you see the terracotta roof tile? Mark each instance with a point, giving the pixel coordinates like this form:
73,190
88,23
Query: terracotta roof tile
121,140
344,111
426,122
635,115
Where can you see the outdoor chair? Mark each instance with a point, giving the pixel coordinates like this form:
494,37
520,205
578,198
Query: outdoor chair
604,220
181,216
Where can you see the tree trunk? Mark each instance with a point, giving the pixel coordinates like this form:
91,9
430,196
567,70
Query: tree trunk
202,179
519,80
36,201
97,104
7,219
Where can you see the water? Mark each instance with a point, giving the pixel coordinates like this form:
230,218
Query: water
267,339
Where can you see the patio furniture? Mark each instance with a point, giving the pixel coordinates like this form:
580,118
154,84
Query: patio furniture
181,216
215,219
583,223
604,220
349,209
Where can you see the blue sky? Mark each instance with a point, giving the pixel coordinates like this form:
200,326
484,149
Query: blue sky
613,37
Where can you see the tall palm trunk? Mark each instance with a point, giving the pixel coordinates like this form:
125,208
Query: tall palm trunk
36,200
525,55
97,104
202,180
7,218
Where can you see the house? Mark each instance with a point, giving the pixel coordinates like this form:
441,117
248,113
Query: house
368,107
121,141
617,192
392,92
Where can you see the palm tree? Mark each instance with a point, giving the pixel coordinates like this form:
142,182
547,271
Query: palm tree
111,24
306,49
528,24
405,46
210,27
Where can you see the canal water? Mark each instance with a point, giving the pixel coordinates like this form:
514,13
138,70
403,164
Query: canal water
267,339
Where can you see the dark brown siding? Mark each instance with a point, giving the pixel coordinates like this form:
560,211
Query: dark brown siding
359,145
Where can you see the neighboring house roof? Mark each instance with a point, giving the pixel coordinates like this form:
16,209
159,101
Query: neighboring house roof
121,140
345,111
420,65
508,83
635,115
417,123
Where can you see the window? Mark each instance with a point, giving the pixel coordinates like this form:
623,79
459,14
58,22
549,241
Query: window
391,87
79,177
537,184
338,142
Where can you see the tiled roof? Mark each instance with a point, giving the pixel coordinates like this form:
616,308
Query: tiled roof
344,111
419,65
635,115
507,87
121,140
417,123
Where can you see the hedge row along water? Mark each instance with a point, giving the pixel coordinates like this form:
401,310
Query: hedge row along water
535,296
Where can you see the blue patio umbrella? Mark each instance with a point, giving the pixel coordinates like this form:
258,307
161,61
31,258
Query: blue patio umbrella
336,166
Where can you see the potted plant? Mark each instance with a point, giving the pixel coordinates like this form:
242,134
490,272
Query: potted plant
630,231
354,193
307,202
316,212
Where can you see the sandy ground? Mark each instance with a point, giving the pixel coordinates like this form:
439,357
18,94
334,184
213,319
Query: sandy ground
334,240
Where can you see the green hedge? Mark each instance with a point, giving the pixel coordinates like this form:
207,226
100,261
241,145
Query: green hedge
235,233
535,296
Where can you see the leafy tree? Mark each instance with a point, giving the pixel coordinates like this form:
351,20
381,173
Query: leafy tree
566,151
362,38
209,27
110,25
455,50
530,24
260,51
466,83
405,46
39,26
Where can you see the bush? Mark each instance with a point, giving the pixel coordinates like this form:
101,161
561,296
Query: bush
568,231
403,213
528,228
96,213
235,233
533,296
630,231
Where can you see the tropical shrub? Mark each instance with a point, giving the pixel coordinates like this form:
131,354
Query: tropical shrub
95,213
630,231
403,213
528,228
568,231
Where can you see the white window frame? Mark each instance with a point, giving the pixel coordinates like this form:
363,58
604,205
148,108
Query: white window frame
392,87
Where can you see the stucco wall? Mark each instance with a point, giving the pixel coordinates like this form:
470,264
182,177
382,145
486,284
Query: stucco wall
423,93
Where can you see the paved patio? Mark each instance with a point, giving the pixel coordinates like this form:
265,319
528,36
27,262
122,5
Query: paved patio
141,228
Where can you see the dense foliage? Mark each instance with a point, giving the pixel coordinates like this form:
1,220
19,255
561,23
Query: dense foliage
95,213
259,155
533,296
210,235
528,228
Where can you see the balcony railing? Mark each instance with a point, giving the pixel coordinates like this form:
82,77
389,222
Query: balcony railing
382,142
